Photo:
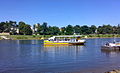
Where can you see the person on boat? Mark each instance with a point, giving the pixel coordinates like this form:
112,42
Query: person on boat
114,42
107,44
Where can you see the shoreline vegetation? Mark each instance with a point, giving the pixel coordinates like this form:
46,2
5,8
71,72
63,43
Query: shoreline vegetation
41,37
23,31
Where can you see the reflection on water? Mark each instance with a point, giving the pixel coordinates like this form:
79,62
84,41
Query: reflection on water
31,56
110,53
30,47
63,51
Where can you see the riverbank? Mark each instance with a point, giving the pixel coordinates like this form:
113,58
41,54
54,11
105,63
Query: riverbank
102,36
0,38
114,71
39,37
29,37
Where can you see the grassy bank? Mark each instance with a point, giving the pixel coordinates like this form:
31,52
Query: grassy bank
102,35
0,38
39,37
28,37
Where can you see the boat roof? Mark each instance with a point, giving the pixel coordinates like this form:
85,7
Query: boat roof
65,36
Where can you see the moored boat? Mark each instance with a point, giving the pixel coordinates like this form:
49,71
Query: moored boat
111,46
65,40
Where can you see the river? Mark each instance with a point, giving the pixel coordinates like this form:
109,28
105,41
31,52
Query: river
31,56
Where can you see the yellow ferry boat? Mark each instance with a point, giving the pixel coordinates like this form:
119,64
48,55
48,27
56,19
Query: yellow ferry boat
65,40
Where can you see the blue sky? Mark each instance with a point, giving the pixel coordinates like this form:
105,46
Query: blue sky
61,12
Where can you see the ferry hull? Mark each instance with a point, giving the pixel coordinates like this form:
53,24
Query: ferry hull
110,48
56,43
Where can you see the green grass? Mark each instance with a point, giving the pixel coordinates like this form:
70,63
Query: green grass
102,35
0,38
39,37
29,37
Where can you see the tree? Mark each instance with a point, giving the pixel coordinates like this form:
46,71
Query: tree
77,29
7,26
86,30
24,29
21,27
115,31
93,29
105,29
40,30
44,29
69,30
62,31
13,27
118,29
54,30
27,30
2,27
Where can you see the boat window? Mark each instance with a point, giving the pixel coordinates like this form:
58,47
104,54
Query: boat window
51,40
65,39
55,39
76,39
114,42
107,44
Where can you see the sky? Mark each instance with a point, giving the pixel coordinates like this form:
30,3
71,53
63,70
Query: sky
61,12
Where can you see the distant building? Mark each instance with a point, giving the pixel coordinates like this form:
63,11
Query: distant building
35,28
96,31
14,29
17,30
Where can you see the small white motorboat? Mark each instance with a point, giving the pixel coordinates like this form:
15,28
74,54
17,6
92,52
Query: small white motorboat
111,46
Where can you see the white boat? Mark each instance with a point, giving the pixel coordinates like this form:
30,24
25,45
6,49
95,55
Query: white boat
111,46
65,40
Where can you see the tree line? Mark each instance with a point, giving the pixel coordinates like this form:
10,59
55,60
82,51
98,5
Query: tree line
21,28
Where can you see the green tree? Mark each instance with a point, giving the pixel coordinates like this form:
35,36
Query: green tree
69,30
86,30
62,31
118,29
40,30
7,27
21,28
114,29
24,29
44,29
77,29
13,27
27,30
93,29
54,30
2,26
105,29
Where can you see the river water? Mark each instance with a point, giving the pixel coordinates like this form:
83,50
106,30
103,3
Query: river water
31,56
